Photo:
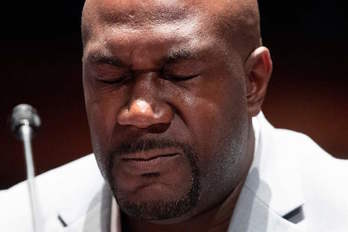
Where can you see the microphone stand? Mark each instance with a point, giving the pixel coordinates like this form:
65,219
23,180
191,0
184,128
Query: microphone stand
24,122
34,204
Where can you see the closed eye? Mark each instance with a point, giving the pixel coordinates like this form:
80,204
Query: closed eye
115,80
177,78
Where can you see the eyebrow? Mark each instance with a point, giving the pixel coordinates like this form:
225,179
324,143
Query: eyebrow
174,56
102,58
181,54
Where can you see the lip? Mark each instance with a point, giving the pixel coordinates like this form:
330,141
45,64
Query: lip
150,162
149,154
148,159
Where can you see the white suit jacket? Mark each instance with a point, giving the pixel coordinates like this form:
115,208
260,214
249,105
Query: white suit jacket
292,185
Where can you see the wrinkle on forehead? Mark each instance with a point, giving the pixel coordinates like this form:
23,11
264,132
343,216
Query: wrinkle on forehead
171,38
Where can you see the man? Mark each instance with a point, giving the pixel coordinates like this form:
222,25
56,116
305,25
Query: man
173,93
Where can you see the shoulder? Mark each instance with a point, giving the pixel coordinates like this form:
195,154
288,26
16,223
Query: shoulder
323,178
284,143
313,160
60,178
324,186
57,190
318,168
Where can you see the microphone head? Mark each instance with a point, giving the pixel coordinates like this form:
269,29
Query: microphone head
24,114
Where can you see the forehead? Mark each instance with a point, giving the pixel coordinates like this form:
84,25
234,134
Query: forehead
144,14
121,24
233,23
147,11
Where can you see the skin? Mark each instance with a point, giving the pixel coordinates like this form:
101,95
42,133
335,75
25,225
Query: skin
174,77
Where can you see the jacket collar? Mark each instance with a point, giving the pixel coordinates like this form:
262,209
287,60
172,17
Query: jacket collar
275,167
82,201
97,218
272,188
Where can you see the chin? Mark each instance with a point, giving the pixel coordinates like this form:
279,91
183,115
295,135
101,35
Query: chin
159,203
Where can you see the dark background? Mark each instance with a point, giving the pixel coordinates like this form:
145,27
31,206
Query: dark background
40,64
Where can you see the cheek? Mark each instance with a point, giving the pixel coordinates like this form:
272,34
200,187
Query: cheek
214,125
219,129
214,113
215,116
102,106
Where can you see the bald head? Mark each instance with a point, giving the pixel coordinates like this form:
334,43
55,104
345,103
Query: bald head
236,21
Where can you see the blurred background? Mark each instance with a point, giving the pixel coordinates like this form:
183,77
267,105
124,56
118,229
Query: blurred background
40,64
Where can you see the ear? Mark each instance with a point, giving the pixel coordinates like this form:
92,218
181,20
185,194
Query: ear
258,68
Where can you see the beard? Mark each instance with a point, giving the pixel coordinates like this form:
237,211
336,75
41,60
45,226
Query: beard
157,209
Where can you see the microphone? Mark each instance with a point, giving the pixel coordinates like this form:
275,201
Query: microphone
24,116
25,122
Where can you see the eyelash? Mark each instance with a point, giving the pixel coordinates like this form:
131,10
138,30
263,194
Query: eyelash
178,78
119,80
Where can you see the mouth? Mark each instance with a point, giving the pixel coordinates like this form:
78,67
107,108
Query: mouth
142,158
149,162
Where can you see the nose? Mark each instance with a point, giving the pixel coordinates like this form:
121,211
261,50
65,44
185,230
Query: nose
145,110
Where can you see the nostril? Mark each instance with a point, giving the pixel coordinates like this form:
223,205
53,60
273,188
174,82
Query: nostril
158,128
151,174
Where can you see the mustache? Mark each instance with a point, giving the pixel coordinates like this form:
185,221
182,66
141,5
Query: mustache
143,145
